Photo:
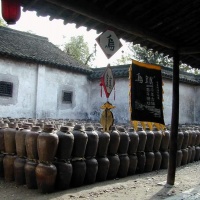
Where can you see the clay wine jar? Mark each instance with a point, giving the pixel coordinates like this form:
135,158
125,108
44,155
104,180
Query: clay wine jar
150,140
92,144
47,143
141,161
197,154
114,141
184,156
46,177
189,154
134,141
66,142
185,138
31,142
9,140
157,139
190,136
142,139
164,146
19,171
91,170
1,166
79,171
8,165
124,141
157,160
113,167
64,175
150,158
103,167
104,139
2,144
193,154
194,136
80,141
124,166
179,156
20,140
133,164
180,139
197,142
165,160
30,174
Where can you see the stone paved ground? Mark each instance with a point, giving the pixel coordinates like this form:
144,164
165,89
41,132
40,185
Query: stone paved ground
151,186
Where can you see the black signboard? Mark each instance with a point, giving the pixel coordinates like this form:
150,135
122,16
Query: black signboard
146,93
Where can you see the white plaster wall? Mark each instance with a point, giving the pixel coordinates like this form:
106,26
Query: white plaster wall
50,103
186,102
37,93
197,105
167,103
121,112
121,100
23,75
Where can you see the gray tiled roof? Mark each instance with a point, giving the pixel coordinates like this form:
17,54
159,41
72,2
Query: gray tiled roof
33,48
123,71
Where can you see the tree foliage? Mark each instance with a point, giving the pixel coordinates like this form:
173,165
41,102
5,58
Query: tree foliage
79,50
143,54
2,23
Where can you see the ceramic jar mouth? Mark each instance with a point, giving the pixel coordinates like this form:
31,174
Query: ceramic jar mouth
79,127
65,129
48,130
140,128
89,128
36,128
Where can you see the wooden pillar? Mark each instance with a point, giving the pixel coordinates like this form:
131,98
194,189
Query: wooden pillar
174,122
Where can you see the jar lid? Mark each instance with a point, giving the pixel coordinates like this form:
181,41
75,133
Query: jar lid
65,128
89,128
79,127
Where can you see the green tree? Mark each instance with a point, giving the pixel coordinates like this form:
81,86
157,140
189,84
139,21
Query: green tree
143,54
79,50
2,23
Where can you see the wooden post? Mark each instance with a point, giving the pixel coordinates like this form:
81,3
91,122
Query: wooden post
174,122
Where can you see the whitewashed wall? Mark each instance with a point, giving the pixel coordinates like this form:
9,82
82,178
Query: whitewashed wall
197,105
53,81
122,114
23,76
37,92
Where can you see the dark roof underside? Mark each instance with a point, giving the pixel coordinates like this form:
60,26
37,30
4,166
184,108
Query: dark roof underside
163,25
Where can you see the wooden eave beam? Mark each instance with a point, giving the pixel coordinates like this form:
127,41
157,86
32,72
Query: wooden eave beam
189,50
85,9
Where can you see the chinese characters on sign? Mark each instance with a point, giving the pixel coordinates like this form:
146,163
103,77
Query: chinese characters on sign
146,93
109,43
107,81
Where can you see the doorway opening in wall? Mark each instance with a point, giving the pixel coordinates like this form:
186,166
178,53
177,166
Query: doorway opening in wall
67,97
6,89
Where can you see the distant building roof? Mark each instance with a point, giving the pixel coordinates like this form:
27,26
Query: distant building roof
33,48
121,71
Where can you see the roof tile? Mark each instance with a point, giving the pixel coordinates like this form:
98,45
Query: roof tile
23,45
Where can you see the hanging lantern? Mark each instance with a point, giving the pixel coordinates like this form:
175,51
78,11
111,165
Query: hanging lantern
11,10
